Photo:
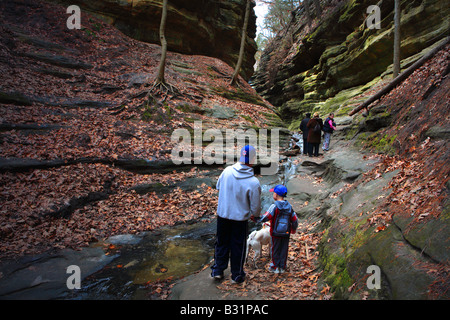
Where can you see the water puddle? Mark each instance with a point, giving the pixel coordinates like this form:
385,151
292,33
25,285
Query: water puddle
179,257
172,252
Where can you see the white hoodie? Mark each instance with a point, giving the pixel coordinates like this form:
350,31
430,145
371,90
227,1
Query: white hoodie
239,193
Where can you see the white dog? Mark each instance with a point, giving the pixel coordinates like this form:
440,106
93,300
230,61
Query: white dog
257,239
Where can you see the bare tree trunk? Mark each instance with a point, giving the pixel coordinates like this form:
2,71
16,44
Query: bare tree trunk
318,8
397,13
242,49
162,37
308,12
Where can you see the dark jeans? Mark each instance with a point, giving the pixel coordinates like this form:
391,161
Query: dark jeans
313,149
280,247
230,239
305,145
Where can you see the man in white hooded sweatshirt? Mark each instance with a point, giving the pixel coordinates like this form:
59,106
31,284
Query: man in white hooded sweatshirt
239,199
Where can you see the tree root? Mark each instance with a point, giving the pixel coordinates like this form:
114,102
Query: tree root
164,88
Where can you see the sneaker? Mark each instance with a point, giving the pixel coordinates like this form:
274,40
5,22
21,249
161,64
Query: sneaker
272,269
217,276
280,270
237,280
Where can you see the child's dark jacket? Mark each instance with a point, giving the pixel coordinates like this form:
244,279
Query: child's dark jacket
274,210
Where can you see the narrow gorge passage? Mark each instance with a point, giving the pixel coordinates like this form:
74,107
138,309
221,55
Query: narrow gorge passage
88,179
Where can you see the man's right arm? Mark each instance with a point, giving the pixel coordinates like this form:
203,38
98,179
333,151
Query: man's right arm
255,201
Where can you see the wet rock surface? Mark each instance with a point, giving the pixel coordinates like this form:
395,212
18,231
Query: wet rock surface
45,276
118,267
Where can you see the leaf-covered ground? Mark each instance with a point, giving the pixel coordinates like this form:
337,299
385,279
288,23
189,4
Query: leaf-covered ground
417,141
84,94
299,282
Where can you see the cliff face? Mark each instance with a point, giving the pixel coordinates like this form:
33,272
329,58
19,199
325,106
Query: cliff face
394,216
199,27
338,57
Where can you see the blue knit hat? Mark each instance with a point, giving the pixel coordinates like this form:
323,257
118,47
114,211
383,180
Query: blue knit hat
248,154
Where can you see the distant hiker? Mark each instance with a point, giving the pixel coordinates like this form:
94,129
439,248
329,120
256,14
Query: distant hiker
315,126
304,130
283,222
239,200
328,127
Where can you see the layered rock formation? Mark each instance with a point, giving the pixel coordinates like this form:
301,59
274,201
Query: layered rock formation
339,57
199,27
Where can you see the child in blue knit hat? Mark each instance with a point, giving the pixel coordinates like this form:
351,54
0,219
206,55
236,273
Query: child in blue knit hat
283,222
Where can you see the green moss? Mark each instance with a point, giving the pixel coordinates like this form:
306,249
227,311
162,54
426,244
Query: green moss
358,235
336,256
248,118
158,114
89,32
239,95
351,133
376,141
186,71
191,120
295,125
335,273
273,120
382,144
349,15
190,108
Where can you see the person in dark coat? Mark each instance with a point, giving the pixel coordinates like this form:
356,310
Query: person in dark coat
304,130
313,135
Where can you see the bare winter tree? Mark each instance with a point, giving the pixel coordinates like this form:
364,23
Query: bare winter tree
242,49
396,63
160,82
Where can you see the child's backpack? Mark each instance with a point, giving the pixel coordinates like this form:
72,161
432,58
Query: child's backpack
282,224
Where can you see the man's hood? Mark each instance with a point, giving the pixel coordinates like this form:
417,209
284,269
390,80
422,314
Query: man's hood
241,171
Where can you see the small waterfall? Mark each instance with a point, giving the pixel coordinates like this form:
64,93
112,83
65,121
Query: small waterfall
299,143
286,172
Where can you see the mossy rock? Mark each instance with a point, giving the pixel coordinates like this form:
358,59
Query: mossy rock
239,95
378,118
438,132
342,56
383,144
189,184
400,264
430,235
220,112
156,112
190,108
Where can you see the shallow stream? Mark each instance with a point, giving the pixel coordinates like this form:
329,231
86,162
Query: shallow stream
171,252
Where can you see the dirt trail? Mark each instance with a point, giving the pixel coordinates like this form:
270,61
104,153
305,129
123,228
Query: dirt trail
300,282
